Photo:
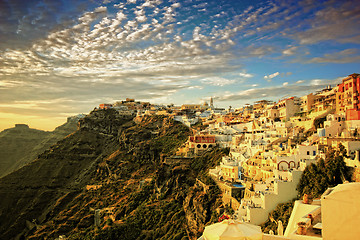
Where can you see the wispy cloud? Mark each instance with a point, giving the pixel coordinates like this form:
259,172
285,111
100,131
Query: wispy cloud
345,56
276,92
217,81
290,51
334,22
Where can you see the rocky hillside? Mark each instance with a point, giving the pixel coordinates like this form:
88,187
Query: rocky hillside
21,144
119,168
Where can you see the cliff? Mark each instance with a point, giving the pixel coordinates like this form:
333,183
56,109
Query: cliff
121,163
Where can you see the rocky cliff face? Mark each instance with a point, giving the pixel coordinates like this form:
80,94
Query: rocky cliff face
139,196
21,144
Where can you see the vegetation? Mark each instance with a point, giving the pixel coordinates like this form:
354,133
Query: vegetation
282,212
164,220
316,178
208,159
124,231
199,126
158,210
319,122
145,196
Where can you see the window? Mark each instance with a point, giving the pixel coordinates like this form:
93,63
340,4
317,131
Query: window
204,146
308,153
198,146
314,153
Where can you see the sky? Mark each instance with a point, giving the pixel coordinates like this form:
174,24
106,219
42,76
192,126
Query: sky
59,58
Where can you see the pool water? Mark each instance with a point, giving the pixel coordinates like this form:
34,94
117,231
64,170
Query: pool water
237,185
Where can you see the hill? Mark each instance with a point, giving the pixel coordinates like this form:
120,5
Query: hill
134,185
21,144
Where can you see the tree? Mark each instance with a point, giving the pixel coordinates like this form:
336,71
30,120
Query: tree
316,178
281,212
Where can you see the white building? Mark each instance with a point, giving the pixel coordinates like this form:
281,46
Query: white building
188,121
256,209
335,216
333,126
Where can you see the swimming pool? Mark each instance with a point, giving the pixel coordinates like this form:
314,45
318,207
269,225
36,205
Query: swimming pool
238,185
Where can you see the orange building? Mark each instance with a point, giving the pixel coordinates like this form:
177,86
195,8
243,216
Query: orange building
105,106
347,97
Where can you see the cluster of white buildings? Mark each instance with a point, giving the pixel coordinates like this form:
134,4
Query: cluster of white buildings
332,217
271,144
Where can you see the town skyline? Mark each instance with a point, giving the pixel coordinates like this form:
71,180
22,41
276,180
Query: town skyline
60,59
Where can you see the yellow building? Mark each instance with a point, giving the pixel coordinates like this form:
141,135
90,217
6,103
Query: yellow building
230,173
259,168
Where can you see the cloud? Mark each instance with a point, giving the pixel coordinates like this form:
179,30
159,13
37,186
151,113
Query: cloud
345,56
259,51
217,81
176,5
271,76
316,82
277,92
246,75
104,55
9,84
146,49
332,22
100,9
290,51
24,22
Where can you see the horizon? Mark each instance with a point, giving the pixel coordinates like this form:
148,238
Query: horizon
60,59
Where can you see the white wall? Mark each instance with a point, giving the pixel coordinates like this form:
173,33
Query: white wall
340,211
283,192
